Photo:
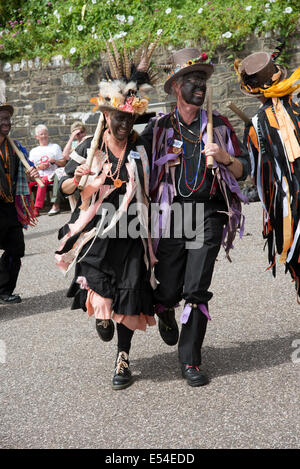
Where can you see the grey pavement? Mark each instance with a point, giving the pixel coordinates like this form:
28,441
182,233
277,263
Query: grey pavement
55,373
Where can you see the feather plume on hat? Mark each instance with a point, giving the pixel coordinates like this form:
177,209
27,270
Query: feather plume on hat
127,76
3,104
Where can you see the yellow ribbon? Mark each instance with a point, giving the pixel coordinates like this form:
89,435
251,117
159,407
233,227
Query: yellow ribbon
287,130
284,87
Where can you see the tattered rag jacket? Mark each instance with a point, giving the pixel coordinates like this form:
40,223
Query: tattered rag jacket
273,141
218,184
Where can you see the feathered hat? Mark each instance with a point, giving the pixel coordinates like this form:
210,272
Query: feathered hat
3,104
128,78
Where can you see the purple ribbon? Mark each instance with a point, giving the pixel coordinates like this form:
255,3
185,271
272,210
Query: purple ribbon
187,311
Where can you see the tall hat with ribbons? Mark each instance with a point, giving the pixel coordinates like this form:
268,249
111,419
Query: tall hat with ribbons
128,78
185,61
4,106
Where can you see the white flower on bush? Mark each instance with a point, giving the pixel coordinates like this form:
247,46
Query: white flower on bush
94,2
227,35
130,20
55,13
179,16
168,11
264,22
80,27
248,8
72,50
288,10
200,11
70,9
119,35
159,31
267,5
121,18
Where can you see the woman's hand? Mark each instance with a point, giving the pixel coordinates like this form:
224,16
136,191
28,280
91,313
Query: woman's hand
81,171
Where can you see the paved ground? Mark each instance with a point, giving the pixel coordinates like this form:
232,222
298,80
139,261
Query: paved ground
55,375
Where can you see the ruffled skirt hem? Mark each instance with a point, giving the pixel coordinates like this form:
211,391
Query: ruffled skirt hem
101,308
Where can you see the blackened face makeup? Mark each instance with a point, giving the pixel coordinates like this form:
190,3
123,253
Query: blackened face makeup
5,123
193,88
120,124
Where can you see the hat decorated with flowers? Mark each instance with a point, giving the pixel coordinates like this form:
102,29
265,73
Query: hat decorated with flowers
127,80
4,106
186,61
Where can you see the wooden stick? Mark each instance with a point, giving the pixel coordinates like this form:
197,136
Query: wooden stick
210,159
91,151
238,112
24,161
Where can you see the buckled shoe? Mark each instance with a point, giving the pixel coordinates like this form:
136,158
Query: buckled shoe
105,329
194,375
122,375
168,327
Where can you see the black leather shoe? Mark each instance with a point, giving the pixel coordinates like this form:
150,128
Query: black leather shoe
10,299
193,375
122,375
167,326
105,329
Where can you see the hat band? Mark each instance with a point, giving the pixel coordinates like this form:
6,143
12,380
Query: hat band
203,58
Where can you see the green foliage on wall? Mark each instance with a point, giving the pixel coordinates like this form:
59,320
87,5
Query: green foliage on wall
76,29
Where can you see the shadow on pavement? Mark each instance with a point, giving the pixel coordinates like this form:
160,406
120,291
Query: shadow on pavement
40,234
220,361
52,301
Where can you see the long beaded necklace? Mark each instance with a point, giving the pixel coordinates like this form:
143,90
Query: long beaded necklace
115,176
183,166
6,164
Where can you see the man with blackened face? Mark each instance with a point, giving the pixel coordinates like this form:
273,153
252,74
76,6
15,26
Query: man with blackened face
193,88
181,176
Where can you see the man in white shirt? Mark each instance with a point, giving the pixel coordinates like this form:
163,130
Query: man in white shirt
47,157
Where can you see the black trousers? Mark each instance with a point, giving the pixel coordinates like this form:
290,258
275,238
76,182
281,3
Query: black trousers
185,272
12,242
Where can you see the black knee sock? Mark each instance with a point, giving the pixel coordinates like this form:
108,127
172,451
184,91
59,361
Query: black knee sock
124,338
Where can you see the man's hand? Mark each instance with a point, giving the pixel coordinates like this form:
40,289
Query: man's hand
220,155
33,173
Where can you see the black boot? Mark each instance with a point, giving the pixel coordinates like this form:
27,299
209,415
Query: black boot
105,329
122,374
168,327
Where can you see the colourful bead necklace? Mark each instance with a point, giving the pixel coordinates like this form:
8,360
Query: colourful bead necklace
183,166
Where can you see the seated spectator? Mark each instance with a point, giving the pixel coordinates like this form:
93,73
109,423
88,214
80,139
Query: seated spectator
78,133
47,157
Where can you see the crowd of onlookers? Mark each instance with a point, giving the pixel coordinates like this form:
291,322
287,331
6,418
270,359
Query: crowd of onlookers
50,159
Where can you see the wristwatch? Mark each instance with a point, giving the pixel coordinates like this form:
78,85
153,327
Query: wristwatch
231,160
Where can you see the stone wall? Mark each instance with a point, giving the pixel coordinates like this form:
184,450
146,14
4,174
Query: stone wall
56,95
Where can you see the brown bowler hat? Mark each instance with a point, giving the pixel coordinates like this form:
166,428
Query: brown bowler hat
185,61
258,70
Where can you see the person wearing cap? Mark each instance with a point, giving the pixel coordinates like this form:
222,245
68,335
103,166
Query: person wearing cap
273,142
181,178
78,133
15,205
113,270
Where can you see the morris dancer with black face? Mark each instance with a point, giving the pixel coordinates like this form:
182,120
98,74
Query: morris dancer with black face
112,273
180,176
273,141
16,211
